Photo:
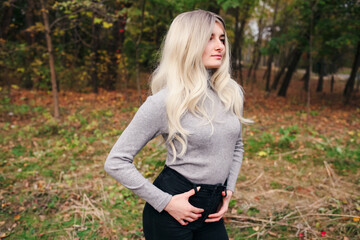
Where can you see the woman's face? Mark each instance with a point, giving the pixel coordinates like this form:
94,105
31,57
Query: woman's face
215,49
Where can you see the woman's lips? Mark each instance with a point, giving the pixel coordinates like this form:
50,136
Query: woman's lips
217,56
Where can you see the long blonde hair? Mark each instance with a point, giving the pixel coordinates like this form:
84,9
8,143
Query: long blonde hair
184,75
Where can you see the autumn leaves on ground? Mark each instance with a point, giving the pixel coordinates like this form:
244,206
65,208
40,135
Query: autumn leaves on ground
299,178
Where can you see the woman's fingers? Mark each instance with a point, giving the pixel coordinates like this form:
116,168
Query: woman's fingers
194,216
191,192
213,219
222,209
215,215
180,208
220,213
190,219
182,222
196,210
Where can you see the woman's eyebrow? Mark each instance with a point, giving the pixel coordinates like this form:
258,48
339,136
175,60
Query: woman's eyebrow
221,35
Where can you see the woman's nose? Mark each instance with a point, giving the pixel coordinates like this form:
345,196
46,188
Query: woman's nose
219,46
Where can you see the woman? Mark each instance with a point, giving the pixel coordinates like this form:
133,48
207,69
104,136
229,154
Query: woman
197,108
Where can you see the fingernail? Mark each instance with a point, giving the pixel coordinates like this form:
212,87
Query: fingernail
198,188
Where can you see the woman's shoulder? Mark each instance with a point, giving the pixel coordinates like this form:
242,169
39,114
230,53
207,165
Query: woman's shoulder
156,102
159,97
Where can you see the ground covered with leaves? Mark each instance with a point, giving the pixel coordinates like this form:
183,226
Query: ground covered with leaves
299,178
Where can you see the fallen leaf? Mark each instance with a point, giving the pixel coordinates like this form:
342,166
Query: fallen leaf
17,217
262,154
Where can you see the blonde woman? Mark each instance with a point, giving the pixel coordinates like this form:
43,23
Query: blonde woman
197,108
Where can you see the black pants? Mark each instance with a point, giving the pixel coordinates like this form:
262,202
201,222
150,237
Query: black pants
162,226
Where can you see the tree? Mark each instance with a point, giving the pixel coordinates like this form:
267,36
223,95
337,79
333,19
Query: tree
51,59
272,49
349,87
244,9
256,50
353,26
301,37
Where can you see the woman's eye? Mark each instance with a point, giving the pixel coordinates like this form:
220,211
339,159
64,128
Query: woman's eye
223,40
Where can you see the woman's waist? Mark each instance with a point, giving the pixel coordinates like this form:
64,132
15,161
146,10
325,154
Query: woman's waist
201,174
174,183
208,197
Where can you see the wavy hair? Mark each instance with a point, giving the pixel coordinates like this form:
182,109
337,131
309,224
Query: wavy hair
183,73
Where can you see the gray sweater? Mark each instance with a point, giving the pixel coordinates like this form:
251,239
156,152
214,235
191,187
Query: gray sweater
213,154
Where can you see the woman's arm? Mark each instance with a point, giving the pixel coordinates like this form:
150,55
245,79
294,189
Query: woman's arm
148,122
236,163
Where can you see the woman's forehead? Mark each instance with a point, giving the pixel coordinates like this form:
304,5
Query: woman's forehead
218,28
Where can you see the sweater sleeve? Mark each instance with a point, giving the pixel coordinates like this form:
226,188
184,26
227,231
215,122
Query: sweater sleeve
147,123
236,163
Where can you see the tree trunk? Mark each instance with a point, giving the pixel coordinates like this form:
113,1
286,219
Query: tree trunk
138,52
115,48
95,56
282,70
51,60
306,76
236,49
256,67
5,21
268,72
349,88
321,76
239,38
290,71
256,54
278,77
30,39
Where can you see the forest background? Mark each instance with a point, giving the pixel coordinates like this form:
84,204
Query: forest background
73,73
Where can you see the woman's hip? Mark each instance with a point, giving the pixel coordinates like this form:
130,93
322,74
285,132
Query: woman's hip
209,197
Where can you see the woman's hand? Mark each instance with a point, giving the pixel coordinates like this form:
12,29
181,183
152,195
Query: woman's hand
222,208
180,208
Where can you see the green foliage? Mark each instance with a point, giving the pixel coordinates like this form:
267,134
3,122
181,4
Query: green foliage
252,211
18,150
95,42
288,135
257,143
344,158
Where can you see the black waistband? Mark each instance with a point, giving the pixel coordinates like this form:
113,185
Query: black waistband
213,187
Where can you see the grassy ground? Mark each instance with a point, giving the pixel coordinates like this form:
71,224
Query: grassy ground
299,178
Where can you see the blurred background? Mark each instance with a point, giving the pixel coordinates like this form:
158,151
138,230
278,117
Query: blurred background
73,73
